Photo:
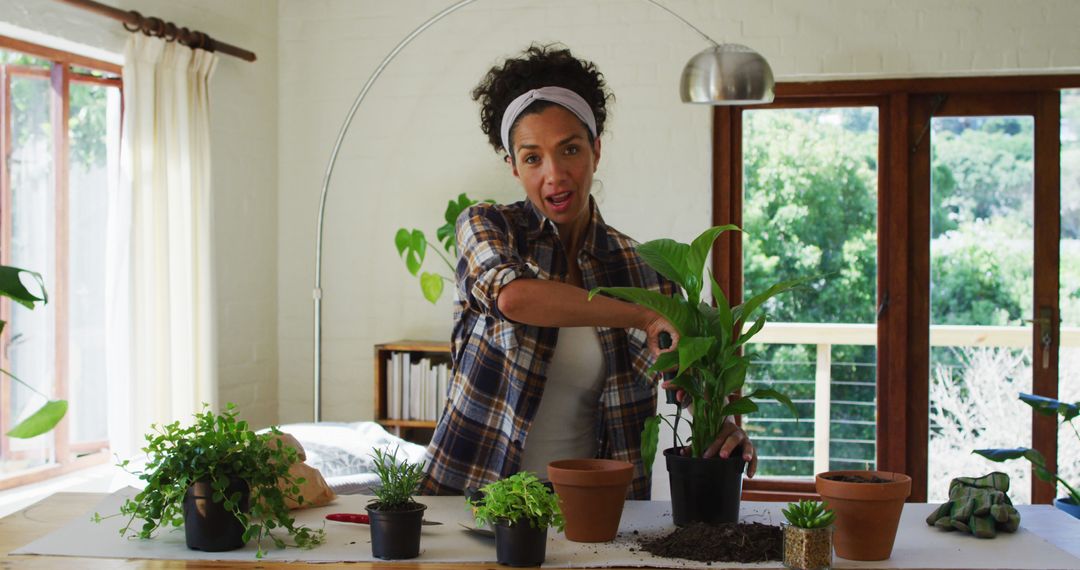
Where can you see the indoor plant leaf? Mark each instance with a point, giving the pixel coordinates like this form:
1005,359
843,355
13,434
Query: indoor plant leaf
650,437
692,349
665,362
1049,406
698,252
11,286
432,286
745,310
674,310
667,257
738,407
779,397
40,421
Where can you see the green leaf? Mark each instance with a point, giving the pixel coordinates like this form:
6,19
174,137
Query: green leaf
650,436
744,311
699,252
41,421
416,252
674,310
778,396
734,376
739,407
754,329
668,258
666,361
692,349
432,286
11,286
1038,462
401,241
1049,406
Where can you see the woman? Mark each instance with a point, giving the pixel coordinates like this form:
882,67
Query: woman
540,372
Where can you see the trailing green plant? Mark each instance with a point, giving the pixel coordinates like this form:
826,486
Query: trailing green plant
412,246
808,514
399,481
516,498
709,367
1046,407
218,448
50,414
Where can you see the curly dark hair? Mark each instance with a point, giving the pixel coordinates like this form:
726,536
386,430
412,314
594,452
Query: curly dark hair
538,66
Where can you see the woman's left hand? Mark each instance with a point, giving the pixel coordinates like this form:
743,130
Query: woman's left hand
730,437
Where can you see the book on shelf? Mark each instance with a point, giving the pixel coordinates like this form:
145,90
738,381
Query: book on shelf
416,386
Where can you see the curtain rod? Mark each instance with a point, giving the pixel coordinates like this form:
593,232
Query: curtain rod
136,22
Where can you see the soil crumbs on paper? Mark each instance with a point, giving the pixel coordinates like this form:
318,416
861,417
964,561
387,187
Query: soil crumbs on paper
728,542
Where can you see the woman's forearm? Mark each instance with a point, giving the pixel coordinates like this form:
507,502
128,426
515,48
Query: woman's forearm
544,303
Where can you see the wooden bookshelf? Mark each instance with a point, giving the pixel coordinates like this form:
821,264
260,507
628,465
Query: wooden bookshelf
418,431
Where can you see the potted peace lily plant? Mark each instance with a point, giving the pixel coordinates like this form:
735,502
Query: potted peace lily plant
1047,407
396,519
521,509
708,368
223,482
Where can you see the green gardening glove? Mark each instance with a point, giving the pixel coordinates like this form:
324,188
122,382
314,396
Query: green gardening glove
978,505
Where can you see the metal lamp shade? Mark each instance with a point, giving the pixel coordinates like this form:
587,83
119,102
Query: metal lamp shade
728,74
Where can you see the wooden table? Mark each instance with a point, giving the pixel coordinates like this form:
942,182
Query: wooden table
42,518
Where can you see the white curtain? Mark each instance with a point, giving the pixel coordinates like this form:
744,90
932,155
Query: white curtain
159,323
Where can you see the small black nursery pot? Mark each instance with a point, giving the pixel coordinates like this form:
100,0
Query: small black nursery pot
208,526
395,534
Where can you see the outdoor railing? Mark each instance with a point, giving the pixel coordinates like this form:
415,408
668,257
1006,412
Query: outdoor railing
825,336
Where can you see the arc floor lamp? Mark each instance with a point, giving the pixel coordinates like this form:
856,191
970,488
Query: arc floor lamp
722,74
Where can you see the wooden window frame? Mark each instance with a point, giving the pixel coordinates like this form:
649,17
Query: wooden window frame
69,456
903,316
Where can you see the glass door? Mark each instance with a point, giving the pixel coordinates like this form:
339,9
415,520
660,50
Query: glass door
986,170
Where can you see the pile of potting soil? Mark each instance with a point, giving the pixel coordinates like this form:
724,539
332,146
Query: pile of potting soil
727,542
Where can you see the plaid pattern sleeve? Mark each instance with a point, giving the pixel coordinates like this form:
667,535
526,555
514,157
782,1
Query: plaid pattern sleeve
499,365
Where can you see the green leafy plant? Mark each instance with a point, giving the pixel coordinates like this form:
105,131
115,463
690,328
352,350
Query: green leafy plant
217,448
412,247
50,414
516,498
1046,407
808,514
399,481
710,368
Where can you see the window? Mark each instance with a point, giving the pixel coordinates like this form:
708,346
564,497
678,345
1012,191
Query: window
60,137
930,210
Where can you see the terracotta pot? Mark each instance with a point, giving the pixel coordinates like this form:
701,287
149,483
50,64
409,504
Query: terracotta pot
867,514
591,496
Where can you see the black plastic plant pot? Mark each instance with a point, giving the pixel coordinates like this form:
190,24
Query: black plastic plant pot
208,526
395,534
704,490
519,544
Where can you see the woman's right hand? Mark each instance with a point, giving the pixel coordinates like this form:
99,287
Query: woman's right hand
654,325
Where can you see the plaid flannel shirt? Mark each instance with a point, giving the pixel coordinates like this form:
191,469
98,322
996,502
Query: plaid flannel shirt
499,365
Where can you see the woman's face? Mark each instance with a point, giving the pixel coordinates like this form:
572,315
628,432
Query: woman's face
555,163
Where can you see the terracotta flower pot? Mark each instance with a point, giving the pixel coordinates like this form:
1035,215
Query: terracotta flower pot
867,514
591,496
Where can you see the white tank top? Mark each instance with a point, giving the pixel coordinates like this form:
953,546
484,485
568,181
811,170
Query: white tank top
565,423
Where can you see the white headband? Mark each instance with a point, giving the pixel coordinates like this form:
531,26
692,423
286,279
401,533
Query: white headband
559,95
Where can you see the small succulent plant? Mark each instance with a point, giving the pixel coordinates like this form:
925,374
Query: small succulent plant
809,514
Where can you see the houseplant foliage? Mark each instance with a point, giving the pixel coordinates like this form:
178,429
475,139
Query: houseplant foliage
710,369
412,246
1046,407
521,509
395,517
50,414
808,535
221,450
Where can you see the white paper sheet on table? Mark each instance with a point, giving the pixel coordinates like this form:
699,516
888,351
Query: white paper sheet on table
917,545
